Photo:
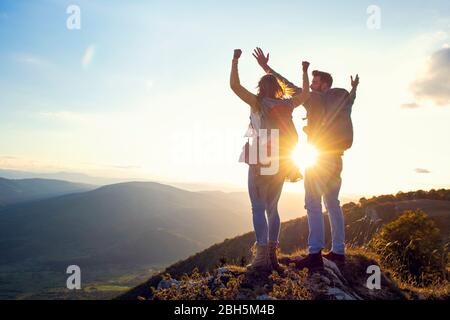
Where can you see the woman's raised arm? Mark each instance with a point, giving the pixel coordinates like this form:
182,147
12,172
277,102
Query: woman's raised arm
235,83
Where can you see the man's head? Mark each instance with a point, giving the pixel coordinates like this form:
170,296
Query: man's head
322,81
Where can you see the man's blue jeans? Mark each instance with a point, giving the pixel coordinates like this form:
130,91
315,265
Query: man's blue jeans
265,192
324,181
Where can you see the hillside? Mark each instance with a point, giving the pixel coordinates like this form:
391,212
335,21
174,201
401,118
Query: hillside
363,220
24,190
115,229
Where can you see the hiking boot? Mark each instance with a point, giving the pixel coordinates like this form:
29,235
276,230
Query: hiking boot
273,258
335,257
261,260
313,262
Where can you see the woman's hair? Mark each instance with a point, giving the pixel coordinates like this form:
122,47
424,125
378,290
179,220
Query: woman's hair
269,87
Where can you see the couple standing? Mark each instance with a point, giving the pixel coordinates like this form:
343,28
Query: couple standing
329,129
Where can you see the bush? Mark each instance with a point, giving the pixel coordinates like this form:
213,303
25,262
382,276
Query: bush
412,247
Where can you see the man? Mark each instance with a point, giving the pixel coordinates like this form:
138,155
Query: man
327,109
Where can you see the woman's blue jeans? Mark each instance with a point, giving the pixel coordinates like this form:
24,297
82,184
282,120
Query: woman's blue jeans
265,192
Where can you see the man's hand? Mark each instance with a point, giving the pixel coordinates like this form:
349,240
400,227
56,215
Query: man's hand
354,82
237,54
261,58
305,65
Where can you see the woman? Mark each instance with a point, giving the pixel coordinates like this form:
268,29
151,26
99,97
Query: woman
269,110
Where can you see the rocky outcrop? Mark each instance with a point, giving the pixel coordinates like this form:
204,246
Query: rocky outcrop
348,282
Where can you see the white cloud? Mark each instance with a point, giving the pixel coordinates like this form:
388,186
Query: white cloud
422,170
69,116
412,105
31,59
434,83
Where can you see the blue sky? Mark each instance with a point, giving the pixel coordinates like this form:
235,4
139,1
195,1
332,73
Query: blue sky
158,73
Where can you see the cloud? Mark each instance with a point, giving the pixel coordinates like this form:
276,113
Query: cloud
422,170
114,166
30,59
434,85
8,158
411,105
70,117
129,167
27,164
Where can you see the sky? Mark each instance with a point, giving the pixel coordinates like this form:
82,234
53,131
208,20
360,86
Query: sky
141,89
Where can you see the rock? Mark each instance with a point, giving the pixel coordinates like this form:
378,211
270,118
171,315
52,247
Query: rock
241,296
334,282
166,284
421,297
264,297
221,271
340,294
325,280
332,267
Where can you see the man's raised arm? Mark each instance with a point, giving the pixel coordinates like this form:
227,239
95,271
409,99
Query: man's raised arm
263,62
354,83
302,96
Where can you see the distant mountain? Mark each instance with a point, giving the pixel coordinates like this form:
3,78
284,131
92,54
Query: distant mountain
16,191
102,181
66,176
124,225
129,222
362,219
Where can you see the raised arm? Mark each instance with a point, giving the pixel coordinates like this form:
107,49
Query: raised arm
263,62
302,96
235,83
354,83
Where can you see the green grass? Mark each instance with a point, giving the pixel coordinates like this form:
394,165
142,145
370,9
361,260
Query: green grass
105,288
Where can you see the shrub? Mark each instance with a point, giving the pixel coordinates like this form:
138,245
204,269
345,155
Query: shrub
412,247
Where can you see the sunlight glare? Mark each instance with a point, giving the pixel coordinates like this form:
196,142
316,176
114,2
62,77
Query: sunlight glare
305,155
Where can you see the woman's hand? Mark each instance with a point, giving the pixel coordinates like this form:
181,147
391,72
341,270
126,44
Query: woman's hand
237,54
261,58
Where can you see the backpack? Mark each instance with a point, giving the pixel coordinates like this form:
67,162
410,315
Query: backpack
280,118
277,118
330,125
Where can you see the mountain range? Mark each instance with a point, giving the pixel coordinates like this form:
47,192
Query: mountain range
121,229
24,190
115,227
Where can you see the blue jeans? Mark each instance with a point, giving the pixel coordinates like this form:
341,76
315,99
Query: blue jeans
324,181
265,192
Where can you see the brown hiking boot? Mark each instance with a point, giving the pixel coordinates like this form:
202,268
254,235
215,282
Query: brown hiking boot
335,257
273,258
313,262
261,260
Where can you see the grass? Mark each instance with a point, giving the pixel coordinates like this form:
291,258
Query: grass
106,288
291,284
437,290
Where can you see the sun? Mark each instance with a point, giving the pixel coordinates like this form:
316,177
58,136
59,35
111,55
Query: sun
305,155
